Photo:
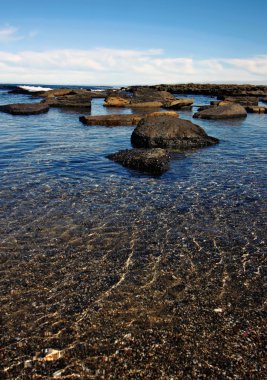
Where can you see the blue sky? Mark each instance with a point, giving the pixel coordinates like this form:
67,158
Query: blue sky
132,42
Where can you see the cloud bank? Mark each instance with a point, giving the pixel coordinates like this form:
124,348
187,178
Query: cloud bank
123,67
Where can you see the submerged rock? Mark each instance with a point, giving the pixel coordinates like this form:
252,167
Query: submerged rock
225,111
118,120
170,132
25,108
155,161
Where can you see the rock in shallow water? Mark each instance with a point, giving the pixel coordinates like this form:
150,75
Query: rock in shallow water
225,111
25,108
154,161
117,120
170,132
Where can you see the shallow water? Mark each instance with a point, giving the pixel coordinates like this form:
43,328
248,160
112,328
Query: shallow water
92,251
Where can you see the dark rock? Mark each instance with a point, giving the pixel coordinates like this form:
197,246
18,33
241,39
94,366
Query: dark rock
227,111
70,100
143,95
242,100
170,132
25,108
264,99
154,161
117,120
210,89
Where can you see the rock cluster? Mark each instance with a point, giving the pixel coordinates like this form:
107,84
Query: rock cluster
153,135
210,89
147,98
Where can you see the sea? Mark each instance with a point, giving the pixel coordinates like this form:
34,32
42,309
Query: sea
89,236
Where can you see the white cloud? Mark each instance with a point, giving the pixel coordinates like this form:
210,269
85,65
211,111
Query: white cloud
9,33
256,65
115,66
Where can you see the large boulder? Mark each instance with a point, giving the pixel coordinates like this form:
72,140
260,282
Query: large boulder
170,132
155,161
118,120
25,108
226,111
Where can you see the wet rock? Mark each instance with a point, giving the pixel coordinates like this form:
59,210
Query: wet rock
170,132
116,101
111,120
154,161
154,104
242,100
70,100
180,103
264,99
143,95
256,109
226,111
25,108
117,120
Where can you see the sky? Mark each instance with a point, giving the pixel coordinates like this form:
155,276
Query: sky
115,42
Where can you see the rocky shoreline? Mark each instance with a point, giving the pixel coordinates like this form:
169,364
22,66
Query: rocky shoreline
210,89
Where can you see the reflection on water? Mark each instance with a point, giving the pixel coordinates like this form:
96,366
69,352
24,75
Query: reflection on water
129,275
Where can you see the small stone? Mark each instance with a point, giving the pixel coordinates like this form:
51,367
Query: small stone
28,364
53,355
218,310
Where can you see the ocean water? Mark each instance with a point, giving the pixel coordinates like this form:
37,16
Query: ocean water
86,242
